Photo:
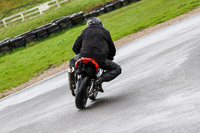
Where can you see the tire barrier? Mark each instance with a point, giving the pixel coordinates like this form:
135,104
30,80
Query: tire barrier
93,14
77,18
109,8
53,28
117,4
29,37
101,11
17,42
108,3
124,2
63,22
5,46
58,25
86,16
41,33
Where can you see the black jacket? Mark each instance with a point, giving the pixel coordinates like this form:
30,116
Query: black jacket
95,42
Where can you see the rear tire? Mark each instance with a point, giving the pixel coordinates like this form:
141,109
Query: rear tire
81,93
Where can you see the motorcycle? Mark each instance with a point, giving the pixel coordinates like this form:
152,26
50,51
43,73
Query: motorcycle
86,72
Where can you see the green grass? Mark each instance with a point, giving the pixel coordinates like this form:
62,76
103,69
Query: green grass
66,9
6,5
21,65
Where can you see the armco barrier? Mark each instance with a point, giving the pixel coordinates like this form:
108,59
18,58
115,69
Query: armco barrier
59,24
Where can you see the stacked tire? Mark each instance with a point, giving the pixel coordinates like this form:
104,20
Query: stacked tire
109,7
17,42
29,37
86,16
63,22
77,18
101,11
117,4
5,46
40,33
52,28
124,2
93,14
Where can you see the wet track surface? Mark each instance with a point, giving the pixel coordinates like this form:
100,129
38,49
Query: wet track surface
157,92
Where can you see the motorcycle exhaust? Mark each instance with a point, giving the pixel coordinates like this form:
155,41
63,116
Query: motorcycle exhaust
71,79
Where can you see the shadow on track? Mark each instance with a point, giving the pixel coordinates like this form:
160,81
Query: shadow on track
103,102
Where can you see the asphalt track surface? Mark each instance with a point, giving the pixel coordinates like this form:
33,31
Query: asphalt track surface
157,92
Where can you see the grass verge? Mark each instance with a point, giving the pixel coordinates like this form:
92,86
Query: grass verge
20,66
17,5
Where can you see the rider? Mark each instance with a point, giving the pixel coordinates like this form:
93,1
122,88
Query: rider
95,42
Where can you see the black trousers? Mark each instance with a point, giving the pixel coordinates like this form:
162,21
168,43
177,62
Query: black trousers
112,68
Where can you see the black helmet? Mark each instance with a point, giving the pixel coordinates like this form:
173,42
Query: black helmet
94,21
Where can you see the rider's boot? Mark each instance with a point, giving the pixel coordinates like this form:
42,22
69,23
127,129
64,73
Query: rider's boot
71,79
98,84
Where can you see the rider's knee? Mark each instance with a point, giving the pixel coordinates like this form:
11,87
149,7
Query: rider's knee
119,70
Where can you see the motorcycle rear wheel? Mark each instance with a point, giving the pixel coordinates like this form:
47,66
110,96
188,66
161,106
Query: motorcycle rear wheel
81,94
